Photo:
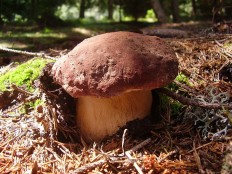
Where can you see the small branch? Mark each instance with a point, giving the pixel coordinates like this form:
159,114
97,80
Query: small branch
123,141
17,88
27,53
128,155
197,148
168,155
28,99
197,158
90,166
139,146
188,101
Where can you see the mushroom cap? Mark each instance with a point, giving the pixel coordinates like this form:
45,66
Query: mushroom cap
112,63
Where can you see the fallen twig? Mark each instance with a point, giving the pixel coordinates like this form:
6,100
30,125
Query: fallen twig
27,53
21,90
197,148
188,101
168,155
30,98
128,155
197,158
139,146
90,166
123,141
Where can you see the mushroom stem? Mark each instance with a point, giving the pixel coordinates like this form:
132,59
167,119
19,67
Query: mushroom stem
100,117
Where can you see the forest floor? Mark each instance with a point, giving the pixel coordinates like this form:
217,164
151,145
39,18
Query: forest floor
186,139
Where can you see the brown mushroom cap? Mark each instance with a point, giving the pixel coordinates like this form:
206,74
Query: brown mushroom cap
112,63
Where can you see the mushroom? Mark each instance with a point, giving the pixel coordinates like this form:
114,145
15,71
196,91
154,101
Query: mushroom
112,76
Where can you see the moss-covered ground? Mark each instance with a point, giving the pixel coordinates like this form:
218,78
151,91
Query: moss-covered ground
23,74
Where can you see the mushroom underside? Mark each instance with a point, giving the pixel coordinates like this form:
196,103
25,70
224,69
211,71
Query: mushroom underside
101,117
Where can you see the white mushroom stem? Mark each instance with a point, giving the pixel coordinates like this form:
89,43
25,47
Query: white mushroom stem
100,117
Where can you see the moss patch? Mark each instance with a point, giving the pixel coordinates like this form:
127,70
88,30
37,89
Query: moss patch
180,78
24,74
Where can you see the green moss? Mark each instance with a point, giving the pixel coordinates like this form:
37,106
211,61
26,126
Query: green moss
28,106
170,106
180,78
24,74
176,108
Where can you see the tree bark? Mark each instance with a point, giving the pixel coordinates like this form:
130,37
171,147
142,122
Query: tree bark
110,9
120,11
175,11
217,11
158,9
194,8
82,9
34,10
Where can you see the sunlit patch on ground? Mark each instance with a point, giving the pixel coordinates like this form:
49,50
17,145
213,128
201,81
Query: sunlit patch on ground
16,45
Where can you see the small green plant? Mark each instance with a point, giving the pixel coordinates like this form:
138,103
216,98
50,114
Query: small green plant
176,108
29,106
180,78
183,79
167,103
24,74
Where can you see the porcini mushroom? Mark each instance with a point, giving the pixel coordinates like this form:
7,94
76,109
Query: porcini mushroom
112,76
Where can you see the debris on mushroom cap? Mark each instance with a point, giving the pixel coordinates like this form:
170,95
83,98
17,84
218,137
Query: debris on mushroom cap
111,63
